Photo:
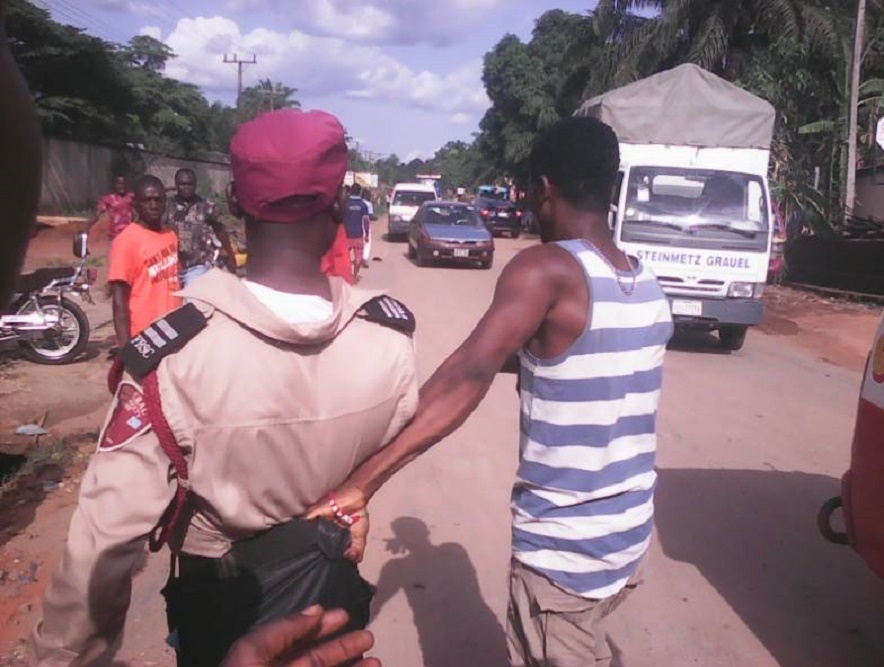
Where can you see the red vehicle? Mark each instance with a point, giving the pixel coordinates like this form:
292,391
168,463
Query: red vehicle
862,488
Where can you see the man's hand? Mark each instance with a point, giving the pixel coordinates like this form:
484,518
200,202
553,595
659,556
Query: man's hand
294,641
359,538
350,501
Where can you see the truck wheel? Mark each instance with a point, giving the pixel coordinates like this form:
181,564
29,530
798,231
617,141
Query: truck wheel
732,337
516,233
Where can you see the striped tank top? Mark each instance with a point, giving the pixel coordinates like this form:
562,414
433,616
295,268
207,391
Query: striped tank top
583,501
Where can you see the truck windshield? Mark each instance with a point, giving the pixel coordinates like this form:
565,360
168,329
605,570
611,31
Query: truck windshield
696,208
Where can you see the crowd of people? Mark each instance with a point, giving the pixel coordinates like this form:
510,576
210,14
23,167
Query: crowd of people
259,482
160,244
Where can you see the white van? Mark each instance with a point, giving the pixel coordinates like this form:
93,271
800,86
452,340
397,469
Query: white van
404,203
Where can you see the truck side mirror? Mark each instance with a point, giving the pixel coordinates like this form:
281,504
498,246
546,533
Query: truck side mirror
612,217
81,245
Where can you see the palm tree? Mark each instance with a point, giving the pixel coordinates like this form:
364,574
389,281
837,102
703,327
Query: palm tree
266,96
714,34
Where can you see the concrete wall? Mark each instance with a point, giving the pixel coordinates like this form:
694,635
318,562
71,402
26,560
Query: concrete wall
76,175
870,194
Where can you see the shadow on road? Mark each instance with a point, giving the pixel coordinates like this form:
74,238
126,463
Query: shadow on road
753,536
696,341
454,624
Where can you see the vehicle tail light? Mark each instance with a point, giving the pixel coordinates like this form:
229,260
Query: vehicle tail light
518,214
486,212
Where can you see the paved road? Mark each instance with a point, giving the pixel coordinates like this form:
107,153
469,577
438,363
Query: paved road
751,444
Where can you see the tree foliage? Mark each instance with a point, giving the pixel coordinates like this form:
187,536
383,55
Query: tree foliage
794,53
91,90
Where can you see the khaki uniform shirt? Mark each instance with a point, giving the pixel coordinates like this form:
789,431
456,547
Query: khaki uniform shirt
272,416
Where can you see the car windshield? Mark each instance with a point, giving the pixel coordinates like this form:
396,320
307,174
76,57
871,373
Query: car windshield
411,198
696,208
451,215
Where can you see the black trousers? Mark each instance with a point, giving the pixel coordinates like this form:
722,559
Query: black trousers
213,602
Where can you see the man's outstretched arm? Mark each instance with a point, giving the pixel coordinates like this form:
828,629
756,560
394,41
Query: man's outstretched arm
523,297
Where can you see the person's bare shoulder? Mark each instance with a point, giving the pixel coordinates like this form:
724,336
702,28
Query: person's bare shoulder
541,266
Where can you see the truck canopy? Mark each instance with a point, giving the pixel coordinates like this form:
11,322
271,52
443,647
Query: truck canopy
685,106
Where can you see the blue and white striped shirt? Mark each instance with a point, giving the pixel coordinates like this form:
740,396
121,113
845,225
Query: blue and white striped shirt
583,502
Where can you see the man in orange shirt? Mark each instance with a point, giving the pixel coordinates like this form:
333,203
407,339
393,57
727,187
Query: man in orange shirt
144,264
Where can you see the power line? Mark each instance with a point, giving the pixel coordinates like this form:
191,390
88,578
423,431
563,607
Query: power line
87,17
84,20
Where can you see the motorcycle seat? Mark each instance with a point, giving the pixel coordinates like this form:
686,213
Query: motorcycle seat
32,282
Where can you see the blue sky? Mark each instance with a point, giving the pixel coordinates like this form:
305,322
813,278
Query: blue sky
404,76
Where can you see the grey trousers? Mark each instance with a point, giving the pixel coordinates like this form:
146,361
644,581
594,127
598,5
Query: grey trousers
548,627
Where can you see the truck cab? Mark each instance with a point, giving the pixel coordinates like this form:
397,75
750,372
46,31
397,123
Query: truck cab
694,202
701,219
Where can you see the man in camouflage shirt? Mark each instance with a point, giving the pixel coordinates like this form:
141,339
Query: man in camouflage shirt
199,227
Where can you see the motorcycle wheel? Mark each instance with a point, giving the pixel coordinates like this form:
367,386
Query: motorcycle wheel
64,344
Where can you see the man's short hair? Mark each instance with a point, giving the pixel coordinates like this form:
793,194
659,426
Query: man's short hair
145,181
581,157
185,170
356,190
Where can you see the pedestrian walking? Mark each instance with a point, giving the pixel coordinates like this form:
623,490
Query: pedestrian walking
221,464
143,272
356,221
586,327
366,251
117,207
198,225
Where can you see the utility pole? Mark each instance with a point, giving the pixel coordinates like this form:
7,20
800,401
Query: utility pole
858,48
233,59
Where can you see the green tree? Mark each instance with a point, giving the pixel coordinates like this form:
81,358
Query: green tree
147,53
266,96
525,83
80,85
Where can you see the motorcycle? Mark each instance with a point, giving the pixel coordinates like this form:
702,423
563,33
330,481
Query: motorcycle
49,327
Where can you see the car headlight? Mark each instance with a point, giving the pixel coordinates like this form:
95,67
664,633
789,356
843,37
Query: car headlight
745,290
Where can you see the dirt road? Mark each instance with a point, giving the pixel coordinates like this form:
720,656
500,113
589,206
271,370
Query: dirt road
750,445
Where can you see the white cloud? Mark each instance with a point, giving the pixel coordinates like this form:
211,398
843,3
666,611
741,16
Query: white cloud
461,118
152,31
318,66
379,21
418,155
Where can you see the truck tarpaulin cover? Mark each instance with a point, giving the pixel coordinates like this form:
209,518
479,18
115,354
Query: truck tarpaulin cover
685,106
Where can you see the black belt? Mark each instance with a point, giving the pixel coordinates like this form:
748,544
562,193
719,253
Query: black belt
286,540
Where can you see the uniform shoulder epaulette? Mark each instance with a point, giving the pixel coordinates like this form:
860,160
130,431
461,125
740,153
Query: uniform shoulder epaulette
145,351
389,312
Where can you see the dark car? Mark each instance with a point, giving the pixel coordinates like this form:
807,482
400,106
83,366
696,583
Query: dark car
530,224
500,216
451,231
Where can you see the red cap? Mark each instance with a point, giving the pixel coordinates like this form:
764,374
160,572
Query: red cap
284,154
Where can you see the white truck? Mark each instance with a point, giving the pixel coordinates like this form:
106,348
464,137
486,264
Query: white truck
694,201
